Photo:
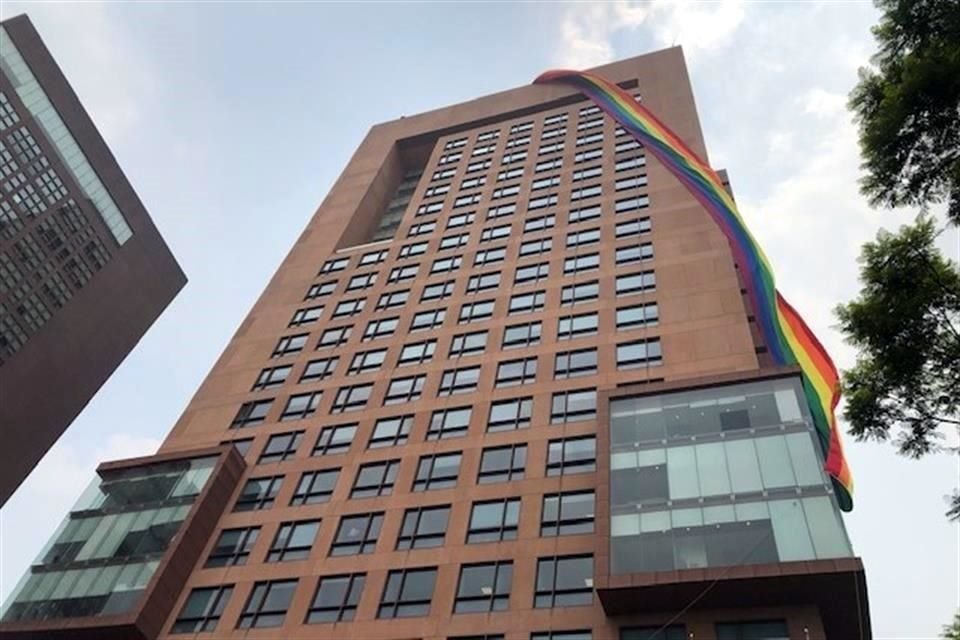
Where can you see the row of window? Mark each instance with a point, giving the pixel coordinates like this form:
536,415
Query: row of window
485,587
565,456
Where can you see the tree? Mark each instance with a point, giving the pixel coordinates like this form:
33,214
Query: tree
908,107
906,325
952,631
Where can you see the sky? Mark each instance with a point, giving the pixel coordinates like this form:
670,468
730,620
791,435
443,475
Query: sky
232,120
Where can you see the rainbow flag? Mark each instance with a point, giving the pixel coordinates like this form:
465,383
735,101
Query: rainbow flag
788,338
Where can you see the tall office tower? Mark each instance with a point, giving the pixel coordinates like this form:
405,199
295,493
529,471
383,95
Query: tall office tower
506,385
83,271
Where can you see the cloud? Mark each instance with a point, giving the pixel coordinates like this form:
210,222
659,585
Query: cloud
823,103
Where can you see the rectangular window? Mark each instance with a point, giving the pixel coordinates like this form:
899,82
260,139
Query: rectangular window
522,335
542,202
532,273
587,173
405,389
437,291
634,253
393,299
507,415
517,142
352,398
631,182
267,605
483,150
581,263
583,125
549,165
449,158
466,344
502,464
554,119
300,406
473,183
533,247
272,377
320,290
362,281
390,432
334,337
423,527
579,293
380,328
452,242
484,587
588,155
505,192
373,257
455,144
427,319
289,345
578,326
438,190
539,224
319,369
315,487
634,203
415,230
582,214
510,174
641,315
516,372
417,353
445,265
280,447
572,364
413,249
526,302
293,541
589,191
357,534
516,156
375,479
520,128
456,381
585,237
429,208
483,282
334,440
305,316
258,493
495,233
348,308
473,311
336,599
338,264
203,609
636,283
566,514
550,148
489,135
407,593
572,455
398,274
478,165
449,423
573,406
490,256
634,162
640,353
443,174
545,183
494,520
233,547
590,138
366,361
557,132
438,471
627,145
564,581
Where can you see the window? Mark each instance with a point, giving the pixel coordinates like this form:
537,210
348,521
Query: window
361,281
273,377
561,635
357,534
526,302
449,423
202,610
490,256
334,337
572,406
510,174
588,155
413,249
438,471
483,282
502,464
587,173
505,192
427,319
280,447
495,233
460,220
473,311
423,528
466,344
398,274
636,283
539,224
564,581
542,202
584,324
233,547
305,316
517,142
336,598
772,630
633,227
390,432
567,513
588,111
407,593
293,541
267,604
550,148
554,119
375,479
494,520
522,335
489,135
456,381
572,364
393,299
587,236
506,415
405,389
632,204
545,183
449,158
352,398
517,156
315,487
365,361
553,133
484,587
417,352
590,138
372,257
455,144
437,190
443,174
258,493
466,201
348,308
636,253
641,315
437,291
334,440
579,293
319,290
586,262
443,265
531,273
632,182
516,372
429,208
582,215
478,165
672,632
338,264
483,149
289,345
251,413
242,445
641,353
300,406
549,165
627,145
452,242
380,328
533,247
473,183
319,369
573,455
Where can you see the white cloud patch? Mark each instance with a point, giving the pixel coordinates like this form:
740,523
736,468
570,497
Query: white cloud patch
823,103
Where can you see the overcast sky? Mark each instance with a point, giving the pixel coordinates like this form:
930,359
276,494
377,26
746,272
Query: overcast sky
233,120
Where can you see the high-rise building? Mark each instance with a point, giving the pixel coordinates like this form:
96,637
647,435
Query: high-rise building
505,385
83,271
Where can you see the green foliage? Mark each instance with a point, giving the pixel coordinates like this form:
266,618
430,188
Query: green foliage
952,631
908,107
905,325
